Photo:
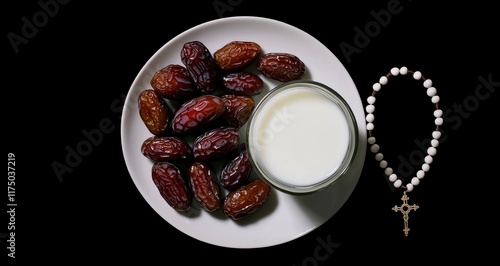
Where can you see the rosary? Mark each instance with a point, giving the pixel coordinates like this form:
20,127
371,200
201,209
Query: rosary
405,207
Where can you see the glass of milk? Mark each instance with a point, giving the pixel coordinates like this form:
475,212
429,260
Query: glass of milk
302,137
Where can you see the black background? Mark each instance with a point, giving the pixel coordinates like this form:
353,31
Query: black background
76,69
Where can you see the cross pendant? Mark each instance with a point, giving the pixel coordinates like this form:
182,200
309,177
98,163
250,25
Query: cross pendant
405,209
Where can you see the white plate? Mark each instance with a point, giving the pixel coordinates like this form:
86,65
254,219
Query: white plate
283,217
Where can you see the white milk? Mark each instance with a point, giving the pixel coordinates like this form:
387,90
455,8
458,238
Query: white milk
301,136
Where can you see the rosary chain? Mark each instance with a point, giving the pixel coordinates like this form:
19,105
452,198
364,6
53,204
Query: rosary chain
436,134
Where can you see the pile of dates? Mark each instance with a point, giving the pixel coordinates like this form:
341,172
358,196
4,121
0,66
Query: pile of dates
194,112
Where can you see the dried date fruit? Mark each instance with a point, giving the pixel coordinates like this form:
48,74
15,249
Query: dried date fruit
200,64
236,171
197,112
236,55
167,148
215,143
246,199
242,83
172,186
153,111
204,186
173,82
238,109
281,66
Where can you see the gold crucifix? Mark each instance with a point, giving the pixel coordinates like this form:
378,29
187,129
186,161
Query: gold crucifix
405,209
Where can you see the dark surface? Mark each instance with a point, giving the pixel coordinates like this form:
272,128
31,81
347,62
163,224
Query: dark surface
76,70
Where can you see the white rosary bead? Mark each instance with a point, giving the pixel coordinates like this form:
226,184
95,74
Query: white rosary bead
376,87
388,171
397,183
375,148
383,80
436,134
428,83
370,108
370,118
438,113
383,164
435,99
395,71
431,91
438,121
428,159
371,99
371,140
393,177
415,181
379,157
426,167
420,174
434,143
370,126
403,71
417,75
431,151
409,187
